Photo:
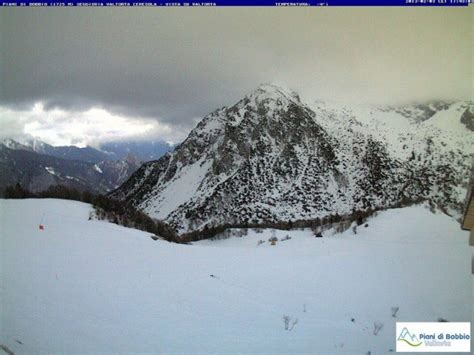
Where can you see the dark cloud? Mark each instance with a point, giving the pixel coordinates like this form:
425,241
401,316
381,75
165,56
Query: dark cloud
178,64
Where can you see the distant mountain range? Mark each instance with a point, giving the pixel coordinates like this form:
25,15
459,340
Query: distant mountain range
142,150
272,158
87,154
37,165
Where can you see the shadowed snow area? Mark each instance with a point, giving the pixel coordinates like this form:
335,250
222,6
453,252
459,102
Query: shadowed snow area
83,286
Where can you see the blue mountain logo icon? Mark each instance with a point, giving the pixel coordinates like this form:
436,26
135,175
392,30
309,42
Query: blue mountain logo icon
409,338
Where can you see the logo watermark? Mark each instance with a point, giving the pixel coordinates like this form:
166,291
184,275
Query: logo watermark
433,337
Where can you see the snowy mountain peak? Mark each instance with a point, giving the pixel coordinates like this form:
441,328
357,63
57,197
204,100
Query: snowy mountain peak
267,105
269,97
274,91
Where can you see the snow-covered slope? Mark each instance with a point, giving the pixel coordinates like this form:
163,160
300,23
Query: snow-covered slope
432,145
83,286
273,158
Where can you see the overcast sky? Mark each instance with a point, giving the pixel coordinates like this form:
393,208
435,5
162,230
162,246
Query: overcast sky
81,76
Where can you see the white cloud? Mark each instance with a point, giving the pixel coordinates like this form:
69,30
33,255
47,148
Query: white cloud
90,127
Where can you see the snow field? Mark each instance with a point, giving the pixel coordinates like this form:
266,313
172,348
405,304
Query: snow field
85,286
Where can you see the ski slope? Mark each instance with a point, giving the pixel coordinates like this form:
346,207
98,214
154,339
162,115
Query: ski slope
85,286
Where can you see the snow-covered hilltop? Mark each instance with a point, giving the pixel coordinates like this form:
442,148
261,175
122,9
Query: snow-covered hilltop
272,158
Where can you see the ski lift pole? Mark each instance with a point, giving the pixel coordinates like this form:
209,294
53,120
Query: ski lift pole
41,225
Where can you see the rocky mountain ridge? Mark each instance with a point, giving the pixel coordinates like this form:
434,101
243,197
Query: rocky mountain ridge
271,157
